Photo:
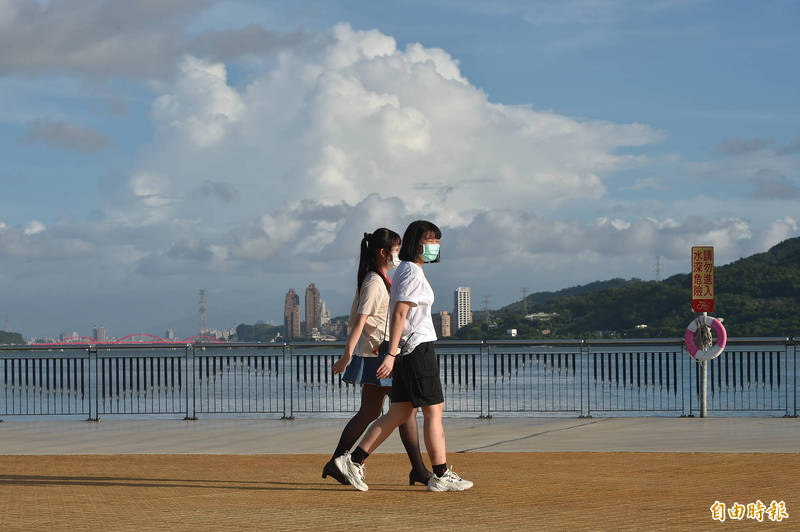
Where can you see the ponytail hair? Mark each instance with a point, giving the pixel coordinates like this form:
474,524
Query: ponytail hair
371,244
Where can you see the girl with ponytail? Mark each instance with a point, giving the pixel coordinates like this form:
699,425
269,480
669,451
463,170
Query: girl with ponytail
415,369
368,325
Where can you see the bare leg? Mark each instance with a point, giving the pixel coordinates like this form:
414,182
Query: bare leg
383,427
434,434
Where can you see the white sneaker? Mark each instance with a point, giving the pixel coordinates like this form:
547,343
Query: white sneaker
448,482
354,473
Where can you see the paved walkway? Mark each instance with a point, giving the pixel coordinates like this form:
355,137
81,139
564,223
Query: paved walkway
618,474
302,436
513,491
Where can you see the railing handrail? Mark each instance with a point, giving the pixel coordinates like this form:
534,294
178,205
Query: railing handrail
559,342
786,340
25,347
244,345
759,340
177,345
634,341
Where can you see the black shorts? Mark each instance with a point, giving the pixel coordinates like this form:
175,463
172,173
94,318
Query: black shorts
416,377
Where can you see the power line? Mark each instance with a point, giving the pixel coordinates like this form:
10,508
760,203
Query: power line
524,302
486,307
202,311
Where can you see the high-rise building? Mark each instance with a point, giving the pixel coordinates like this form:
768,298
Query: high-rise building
325,316
463,307
313,309
100,334
291,315
169,335
441,322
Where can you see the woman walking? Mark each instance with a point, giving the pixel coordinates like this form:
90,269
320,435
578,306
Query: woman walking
368,325
415,369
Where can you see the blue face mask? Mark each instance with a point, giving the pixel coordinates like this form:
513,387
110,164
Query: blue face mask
430,252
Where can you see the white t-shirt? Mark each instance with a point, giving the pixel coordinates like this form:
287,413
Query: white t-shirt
410,285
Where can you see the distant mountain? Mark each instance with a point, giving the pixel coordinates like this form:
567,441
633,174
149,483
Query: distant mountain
757,296
11,338
544,297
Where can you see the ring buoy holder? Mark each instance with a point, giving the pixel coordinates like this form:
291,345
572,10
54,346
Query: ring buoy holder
716,349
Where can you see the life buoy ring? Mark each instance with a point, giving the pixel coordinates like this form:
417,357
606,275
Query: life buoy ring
713,351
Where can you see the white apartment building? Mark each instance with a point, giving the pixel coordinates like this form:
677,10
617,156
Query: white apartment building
463,307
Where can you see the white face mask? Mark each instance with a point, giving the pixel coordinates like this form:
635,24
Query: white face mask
395,261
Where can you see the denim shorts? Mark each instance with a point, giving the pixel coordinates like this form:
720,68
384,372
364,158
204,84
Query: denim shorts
361,370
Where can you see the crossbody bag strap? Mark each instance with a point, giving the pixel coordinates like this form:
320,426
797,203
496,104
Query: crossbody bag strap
386,325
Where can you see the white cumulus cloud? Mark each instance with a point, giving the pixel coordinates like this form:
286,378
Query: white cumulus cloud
34,227
779,230
363,116
201,104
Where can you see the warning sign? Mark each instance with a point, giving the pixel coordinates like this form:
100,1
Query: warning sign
703,278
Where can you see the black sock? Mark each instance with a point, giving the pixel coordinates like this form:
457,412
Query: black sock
359,455
439,470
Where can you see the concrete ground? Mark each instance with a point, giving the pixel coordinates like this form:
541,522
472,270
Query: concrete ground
529,474
310,436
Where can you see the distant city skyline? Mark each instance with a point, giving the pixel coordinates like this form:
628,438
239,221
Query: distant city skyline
153,148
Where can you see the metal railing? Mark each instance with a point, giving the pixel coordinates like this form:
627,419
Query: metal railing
753,376
132,379
643,375
36,381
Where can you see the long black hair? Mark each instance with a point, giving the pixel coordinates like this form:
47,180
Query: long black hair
371,244
412,239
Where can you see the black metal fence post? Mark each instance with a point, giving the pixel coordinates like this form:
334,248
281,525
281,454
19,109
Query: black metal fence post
188,374
685,365
92,352
480,377
786,368
583,349
284,370
692,365
287,370
488,381
795,341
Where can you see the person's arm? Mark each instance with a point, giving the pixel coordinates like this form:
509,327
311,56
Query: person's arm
401,309
352,340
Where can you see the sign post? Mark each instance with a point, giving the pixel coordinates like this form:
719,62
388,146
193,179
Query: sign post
703,302
704,385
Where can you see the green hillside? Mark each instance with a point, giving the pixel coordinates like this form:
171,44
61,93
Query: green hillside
260,332
11,338
757,296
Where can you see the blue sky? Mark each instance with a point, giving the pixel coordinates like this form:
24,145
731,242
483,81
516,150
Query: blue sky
153,149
